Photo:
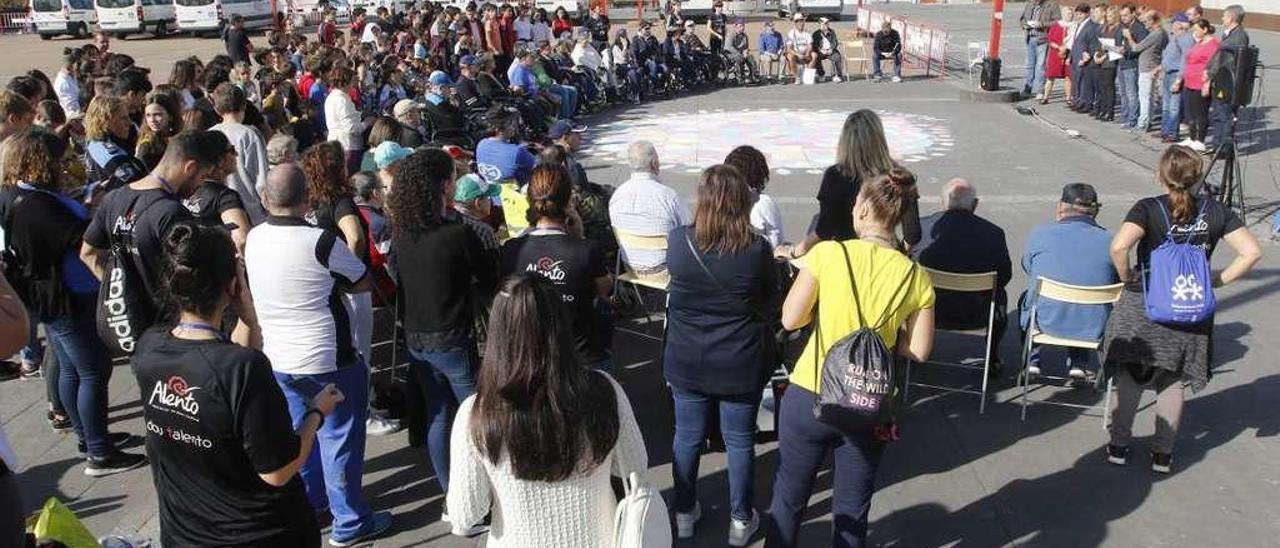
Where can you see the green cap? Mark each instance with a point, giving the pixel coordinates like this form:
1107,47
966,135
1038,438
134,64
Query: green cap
471,186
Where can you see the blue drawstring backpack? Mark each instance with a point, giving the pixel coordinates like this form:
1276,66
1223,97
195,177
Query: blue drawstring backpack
1178,286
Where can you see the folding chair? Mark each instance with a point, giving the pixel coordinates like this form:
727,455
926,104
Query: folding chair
767,65
864,59
976,51
984,283
650,242
1069,294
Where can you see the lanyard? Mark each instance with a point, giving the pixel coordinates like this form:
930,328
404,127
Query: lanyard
165,183
198,326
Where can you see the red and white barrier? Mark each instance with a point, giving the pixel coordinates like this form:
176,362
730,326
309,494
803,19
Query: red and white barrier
923,45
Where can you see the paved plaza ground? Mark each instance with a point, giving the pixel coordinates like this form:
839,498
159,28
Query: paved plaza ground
956,478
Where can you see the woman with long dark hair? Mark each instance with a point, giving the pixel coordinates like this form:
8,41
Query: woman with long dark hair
766,218
1195,90
537,444
441,266
861,153
225,451
1140,353
185,77
44,231
555,248
719,345
842,284
161,119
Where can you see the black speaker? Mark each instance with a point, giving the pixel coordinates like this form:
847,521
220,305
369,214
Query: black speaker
1233,83
990,79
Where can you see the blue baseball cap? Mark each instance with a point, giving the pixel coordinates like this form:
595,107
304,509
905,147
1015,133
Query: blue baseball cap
468,60
1181,18
439,78
389,152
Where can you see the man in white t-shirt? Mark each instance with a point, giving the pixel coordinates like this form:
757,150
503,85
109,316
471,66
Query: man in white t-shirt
800,48
299,273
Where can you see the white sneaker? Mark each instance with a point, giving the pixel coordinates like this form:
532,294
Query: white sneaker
1076,373
1197,146
685,522
836,79
468,533
380,426
897,79
1033,371
1039,96
740,532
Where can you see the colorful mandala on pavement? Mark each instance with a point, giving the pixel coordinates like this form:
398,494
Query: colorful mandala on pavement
793,140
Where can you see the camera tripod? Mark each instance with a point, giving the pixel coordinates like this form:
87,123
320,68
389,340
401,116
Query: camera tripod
1230,188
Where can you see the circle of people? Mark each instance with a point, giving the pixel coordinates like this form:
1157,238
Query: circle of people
1123,64
262,240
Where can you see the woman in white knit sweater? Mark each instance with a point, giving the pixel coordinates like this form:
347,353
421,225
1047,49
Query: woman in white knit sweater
534,448
342,118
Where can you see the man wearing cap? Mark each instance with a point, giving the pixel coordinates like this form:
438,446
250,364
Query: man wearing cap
446,120
1180,41
827,47
800,48
887,44
771,52
646,50
957,240
473,201
569,137
1074,250
409,113
467,90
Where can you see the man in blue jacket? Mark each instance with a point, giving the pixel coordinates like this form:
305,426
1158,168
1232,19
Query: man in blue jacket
1073,250
770,48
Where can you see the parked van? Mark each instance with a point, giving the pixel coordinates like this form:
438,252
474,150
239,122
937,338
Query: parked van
202,16
125,17
70,17
812,9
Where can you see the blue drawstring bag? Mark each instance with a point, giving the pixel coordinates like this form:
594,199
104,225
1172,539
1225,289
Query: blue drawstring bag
1178,286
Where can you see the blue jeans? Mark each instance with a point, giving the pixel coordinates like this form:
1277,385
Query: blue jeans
1171,106
446,378
738,425
1037,50
1128,87
897,65
1145,81
568,99
803,443
84,372
335,467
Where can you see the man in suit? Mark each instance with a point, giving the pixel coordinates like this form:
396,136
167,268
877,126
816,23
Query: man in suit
958,240
1234,38
1084,87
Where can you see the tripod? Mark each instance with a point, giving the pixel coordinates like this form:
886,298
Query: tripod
1230,190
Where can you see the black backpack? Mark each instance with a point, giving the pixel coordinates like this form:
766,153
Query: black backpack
125,307
856,388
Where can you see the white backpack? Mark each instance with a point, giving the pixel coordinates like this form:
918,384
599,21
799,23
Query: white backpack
641,520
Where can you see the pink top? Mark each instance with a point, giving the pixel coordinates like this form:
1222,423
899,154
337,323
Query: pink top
1197,60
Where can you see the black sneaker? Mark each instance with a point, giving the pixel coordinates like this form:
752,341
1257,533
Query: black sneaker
60,423
117,440
1161,462
115,463
1117,455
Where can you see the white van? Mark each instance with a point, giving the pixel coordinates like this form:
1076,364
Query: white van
201,16
70,17
812,9
125,17
308,11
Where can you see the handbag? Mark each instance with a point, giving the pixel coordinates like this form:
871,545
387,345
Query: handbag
641,519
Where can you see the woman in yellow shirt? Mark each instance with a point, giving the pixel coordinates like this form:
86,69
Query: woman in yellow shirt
880,270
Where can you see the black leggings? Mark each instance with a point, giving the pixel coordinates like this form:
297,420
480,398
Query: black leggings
1106,105
1197,113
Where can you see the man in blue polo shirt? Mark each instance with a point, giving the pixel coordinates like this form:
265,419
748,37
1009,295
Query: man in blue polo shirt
1073,250
500,157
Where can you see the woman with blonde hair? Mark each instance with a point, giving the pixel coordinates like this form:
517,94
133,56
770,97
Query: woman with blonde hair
847,285
110,164
1143,354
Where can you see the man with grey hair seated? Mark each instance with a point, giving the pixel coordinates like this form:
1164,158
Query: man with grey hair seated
298,273
957,240
644,206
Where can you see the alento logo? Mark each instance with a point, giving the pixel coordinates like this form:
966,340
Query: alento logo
1186,288
176,396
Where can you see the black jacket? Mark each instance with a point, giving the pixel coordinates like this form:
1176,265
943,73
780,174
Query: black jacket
645,49
887,41
830,35
960,241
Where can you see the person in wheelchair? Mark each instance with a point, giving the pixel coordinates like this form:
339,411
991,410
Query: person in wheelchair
589,61
704,59
624,66
739,54
647,54
447,123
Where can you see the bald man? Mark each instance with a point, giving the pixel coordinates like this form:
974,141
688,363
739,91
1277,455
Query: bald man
957,240
298,273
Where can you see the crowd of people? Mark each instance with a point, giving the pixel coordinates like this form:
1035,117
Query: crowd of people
1124,64
233,232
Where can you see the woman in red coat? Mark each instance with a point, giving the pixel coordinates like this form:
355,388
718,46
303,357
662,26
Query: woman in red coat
561,24
1057,67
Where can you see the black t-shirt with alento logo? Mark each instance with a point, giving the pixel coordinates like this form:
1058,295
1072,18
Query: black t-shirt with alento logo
572,265
1212,221
215,419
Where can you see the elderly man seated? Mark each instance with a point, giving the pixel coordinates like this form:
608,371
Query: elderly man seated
958,240
1075,250
645,206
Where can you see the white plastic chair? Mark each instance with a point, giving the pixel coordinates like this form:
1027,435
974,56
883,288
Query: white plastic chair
976,51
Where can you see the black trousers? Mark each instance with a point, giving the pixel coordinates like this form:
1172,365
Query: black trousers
1196,113
1105,107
